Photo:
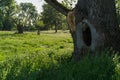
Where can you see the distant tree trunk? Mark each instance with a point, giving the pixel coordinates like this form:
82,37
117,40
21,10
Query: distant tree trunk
38,33
20,29
56,27
96,26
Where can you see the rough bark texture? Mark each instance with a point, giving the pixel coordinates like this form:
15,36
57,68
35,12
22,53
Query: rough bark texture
101,14
102,29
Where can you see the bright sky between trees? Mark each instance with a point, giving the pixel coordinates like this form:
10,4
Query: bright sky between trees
37,3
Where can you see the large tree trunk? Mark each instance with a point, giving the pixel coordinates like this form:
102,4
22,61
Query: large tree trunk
100,17
96,26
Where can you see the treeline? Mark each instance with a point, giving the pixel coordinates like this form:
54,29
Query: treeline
25,17
17,17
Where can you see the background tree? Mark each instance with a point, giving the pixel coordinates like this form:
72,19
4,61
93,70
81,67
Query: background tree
69,3
8,8
1,19
27,15
52,18
101,21
39,25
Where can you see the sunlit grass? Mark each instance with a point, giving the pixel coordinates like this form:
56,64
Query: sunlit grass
12,44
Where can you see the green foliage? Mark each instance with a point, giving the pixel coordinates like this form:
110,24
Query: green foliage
27,14
48,57
69,3
6,2
52,18
9,24
25,17
7,10
39,24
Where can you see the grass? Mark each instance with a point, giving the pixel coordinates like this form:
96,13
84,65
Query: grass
48,57
19,44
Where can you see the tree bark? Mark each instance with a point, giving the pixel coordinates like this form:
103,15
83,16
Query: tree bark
38,33
56,27
96,26
59,7
20,29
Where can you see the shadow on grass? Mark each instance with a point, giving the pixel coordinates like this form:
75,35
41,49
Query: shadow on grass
53,32
6,35
89,68
10,34
99,68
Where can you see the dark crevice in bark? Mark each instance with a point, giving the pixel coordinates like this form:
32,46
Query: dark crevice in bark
86,34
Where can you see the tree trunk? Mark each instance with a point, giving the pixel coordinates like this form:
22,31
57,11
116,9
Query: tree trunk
56,27
56,30
20,29
100,18
38,33
96,26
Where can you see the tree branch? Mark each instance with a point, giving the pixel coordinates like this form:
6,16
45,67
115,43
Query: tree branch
59,7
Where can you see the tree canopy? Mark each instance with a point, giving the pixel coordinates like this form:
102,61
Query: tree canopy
51,17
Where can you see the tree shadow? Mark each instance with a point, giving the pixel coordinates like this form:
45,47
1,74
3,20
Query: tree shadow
90,68
7,35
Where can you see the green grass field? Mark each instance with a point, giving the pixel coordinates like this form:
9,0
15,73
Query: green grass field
29,43
48,57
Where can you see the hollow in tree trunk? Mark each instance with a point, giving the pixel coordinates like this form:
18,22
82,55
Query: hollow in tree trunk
99,16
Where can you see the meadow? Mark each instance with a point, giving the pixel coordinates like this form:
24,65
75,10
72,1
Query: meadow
47,56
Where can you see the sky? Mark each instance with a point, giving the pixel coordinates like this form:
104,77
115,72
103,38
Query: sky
37,3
